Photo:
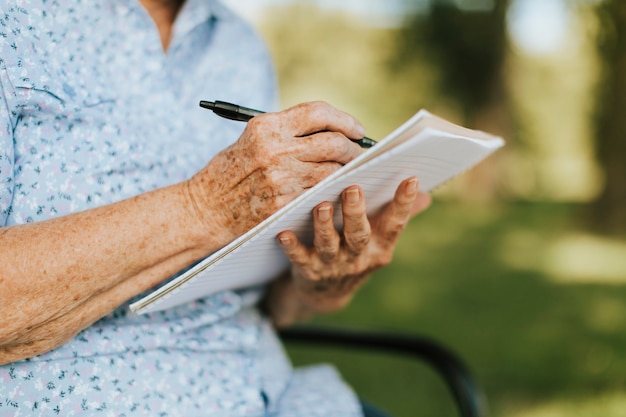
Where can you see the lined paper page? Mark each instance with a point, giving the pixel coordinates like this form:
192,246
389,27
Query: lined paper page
414,149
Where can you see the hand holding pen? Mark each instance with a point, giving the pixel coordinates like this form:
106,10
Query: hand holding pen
277,157
243,114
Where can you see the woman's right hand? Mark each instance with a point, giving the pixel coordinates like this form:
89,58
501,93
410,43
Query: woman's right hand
61,275
278,156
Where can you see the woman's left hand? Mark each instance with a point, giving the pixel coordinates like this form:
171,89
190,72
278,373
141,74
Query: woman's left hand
324,277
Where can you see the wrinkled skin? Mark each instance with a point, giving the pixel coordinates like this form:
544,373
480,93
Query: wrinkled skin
278,156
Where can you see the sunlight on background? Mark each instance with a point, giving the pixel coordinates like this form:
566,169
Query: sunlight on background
586,258
569,258
613,405
539,26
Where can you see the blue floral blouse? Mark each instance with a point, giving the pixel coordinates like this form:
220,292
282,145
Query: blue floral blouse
93,111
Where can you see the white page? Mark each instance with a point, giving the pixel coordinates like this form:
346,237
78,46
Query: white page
414,149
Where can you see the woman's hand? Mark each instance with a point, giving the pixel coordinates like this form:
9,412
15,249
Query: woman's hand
278,156
325,276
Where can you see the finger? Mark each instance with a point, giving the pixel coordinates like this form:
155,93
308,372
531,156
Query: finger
308,118
395,216
422,202
356,226
297,253
326,240
326,146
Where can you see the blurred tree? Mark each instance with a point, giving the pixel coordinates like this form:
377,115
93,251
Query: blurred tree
610,209
468,46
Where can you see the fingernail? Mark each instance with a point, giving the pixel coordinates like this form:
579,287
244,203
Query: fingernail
411,187
323,213
352,196
284,241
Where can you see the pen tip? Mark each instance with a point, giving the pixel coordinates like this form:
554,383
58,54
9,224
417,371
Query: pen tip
207,104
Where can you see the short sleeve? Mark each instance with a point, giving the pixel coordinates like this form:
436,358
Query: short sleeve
6,157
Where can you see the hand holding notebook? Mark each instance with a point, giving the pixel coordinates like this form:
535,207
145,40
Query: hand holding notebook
425,146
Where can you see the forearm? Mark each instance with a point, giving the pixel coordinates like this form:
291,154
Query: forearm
47,334
63,274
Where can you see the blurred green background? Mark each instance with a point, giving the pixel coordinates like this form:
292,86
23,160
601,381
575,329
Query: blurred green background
520,264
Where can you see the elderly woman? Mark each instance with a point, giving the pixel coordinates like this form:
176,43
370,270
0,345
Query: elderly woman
112,180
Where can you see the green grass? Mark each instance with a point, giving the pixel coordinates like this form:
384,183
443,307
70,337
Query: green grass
495,284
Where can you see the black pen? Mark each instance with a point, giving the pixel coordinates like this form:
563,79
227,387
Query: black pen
243,114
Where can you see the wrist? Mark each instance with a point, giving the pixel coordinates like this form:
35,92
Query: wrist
320,302
290,300
202,219
282,304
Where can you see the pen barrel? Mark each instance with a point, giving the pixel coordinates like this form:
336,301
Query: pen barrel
243,114
234,112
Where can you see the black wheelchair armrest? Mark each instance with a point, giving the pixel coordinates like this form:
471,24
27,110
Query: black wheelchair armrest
466,392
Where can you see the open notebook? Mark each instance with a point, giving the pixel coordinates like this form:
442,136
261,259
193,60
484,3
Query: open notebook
426,146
